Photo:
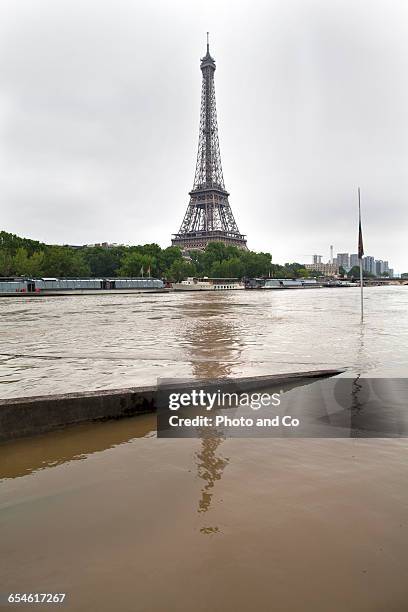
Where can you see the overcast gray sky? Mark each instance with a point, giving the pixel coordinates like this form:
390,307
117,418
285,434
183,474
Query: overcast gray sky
99,115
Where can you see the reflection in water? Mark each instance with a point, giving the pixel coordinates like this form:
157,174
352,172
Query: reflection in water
210,467
212,346
356,403
28,455
361,357
209,530
357,386
212,337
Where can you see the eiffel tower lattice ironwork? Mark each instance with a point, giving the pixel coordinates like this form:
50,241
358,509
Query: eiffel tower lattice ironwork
209,216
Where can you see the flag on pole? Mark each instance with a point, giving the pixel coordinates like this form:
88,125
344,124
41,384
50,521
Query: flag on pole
360,233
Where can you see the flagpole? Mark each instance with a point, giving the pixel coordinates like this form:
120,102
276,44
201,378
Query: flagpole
361,287
360,255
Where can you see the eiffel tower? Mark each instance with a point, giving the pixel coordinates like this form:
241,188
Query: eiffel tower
209,216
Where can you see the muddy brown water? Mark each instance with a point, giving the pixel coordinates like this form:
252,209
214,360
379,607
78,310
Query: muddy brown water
121,520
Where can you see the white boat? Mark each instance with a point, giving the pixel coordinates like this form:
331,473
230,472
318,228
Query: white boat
208,284
227,285
193,284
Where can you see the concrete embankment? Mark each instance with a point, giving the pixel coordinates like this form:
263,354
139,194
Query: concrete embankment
27,416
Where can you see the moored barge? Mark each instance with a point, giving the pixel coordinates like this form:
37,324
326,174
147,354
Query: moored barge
22,286
282,283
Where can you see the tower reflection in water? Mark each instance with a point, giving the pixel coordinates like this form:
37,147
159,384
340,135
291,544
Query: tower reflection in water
213,347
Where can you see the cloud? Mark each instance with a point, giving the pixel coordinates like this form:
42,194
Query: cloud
99,110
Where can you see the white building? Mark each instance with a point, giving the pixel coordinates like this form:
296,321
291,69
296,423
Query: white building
327,269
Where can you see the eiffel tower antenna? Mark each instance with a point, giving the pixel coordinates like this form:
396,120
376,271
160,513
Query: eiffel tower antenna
208,217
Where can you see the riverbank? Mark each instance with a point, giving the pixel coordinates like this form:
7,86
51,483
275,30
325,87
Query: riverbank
27,416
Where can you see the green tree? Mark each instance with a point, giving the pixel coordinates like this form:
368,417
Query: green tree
293,270
276,271
354,272
36,264
63,261
152,250
167,257
134,264
21,264
303,273
229,268
33,258
102,261
255,264
198,261
6,262
181,269
12,243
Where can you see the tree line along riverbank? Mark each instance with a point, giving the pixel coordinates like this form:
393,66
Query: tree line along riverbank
25,257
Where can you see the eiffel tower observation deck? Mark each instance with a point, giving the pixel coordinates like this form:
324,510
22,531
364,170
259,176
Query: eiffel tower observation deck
209,216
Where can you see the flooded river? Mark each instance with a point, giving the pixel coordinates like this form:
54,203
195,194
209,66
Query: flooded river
62,344
121,520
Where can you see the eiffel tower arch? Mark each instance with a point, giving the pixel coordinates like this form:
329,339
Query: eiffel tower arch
208,217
